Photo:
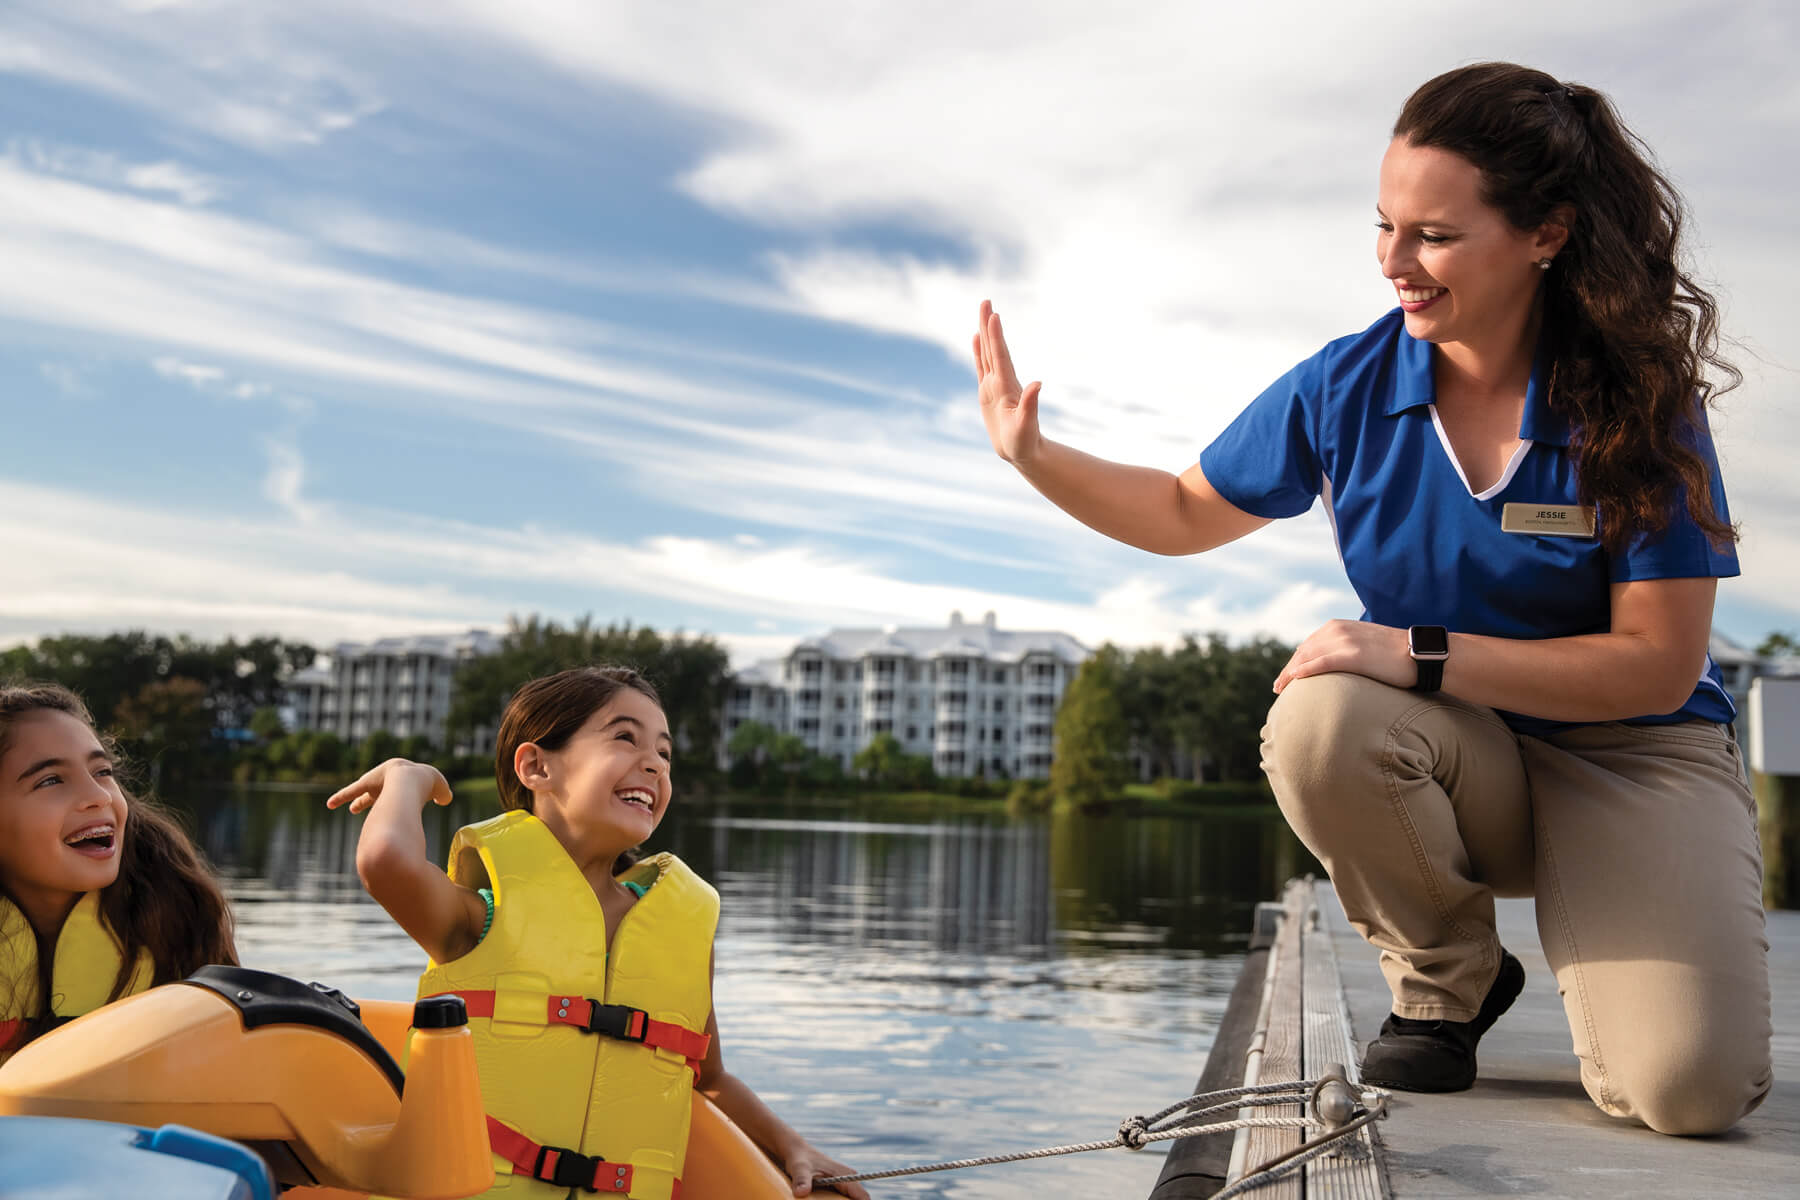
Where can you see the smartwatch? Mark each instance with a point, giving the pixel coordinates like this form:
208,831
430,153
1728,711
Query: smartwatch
1429,647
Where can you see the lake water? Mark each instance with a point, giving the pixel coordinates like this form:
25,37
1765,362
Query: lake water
901,990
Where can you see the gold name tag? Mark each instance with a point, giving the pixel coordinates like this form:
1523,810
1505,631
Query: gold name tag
1554,519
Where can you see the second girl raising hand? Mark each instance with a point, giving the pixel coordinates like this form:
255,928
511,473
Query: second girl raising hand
588,977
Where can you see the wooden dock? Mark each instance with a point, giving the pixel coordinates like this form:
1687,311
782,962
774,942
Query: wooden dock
1526,1127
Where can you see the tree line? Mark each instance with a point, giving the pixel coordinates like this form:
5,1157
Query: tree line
185,710
1192,713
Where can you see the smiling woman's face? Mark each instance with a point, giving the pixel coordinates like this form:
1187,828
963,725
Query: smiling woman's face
1459,268
62,811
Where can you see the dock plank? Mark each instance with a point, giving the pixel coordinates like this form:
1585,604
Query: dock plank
1282,1048
1349,1171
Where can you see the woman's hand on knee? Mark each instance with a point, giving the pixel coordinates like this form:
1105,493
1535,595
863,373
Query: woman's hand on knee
1354,648
1008,411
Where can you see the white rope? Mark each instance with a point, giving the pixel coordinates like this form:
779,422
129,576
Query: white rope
1137,1132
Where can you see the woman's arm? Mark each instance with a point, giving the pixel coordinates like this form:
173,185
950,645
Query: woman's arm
797,1156
1140,506
1647,664
442,917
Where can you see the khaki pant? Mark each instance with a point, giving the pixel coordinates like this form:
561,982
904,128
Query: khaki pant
1638,842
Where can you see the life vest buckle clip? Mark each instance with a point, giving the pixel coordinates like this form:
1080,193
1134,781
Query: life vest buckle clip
571,1169
618,1021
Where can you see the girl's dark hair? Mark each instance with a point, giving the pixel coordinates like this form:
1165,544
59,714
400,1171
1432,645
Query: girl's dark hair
547,712
164,901
1630,334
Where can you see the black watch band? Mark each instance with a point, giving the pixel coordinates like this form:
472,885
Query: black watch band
1429,648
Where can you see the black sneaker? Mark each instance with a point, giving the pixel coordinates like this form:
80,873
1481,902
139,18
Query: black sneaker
1438,1056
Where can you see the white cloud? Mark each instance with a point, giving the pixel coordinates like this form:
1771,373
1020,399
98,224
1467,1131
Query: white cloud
242,73
324,578
109,170
286,479
198,374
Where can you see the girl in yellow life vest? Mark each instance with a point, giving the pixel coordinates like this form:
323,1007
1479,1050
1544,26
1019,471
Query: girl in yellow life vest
587,975
100,895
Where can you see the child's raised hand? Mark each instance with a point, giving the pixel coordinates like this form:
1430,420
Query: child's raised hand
397,776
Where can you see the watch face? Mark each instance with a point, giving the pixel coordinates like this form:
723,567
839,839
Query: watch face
1428,639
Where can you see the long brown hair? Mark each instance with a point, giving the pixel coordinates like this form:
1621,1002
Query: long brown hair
548,712
1630,334
164,901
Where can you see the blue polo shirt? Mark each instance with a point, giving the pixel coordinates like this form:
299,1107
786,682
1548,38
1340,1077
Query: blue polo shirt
1357,424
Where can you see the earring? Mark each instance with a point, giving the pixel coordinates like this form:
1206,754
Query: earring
1543,264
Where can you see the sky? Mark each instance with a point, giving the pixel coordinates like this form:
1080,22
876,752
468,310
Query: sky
342,320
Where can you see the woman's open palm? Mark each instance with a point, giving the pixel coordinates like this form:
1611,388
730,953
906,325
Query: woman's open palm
1008,411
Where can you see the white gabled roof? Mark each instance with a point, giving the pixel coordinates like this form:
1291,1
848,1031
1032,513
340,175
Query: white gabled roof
960,638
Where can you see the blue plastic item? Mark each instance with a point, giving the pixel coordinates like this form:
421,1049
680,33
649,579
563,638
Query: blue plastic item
67,1159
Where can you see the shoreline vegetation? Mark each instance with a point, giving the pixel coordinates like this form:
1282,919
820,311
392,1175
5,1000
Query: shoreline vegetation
186,712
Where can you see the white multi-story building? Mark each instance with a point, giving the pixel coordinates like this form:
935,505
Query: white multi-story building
399,684
979,700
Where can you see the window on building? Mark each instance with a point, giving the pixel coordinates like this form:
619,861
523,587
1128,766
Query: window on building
912,672
837,731
999,734
839,672
999,704
840,703
912,733
999,674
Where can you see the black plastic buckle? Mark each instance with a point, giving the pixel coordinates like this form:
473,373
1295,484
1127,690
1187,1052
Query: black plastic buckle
573,1169
614,1020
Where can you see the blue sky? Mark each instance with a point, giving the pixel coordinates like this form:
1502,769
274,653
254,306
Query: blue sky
340,320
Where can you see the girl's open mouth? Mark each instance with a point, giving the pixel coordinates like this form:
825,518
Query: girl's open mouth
97,841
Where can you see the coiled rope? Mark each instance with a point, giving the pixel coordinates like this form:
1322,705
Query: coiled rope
1337,1110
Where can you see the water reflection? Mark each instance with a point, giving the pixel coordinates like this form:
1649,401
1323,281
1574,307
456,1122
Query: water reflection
902,990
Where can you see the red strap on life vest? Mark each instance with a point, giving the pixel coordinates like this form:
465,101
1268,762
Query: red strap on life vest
10,1029
562,1167
581,1013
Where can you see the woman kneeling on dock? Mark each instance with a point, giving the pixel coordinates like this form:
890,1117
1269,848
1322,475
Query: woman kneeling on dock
1526,498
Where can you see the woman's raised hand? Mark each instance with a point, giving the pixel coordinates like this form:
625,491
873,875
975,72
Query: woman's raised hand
1008,411
424,782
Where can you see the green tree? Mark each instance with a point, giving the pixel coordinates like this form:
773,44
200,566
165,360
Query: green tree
322,753
1092,765
168,725
266,724
1777,644
376,749
688,673
1230,716
880,760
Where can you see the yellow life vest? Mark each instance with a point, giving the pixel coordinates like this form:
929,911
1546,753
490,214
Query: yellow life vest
554,1091
88,957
